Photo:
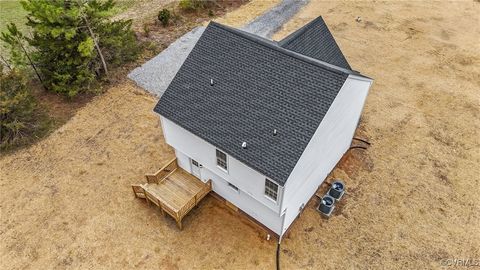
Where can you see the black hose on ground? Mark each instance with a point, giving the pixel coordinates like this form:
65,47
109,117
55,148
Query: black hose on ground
278,256
362,140
357,146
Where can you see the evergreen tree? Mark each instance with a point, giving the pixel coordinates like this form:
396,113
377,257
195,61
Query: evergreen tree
74,42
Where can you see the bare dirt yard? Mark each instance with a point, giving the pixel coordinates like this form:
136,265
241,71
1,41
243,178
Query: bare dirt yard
66,202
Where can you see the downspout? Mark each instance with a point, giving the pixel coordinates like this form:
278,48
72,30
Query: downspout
280,241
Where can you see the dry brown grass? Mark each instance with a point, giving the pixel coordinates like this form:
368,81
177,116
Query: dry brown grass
248,12
417,203
412,197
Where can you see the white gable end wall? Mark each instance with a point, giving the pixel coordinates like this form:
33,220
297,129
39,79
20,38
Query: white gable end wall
250,198
327,146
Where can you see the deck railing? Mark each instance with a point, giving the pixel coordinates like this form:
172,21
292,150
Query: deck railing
206,189
139,191
185,209
161,174
144,192
151,198
195,200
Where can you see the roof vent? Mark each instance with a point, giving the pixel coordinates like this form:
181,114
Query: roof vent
274,132
244,145
211,82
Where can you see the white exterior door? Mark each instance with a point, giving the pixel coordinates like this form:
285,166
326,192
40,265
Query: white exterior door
195,168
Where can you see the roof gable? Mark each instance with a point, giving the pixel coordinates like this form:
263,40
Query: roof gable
315,40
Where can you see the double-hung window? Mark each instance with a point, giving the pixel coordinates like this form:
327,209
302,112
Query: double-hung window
271,189
222,160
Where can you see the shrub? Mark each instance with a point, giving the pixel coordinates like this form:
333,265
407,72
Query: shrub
164,16
17,109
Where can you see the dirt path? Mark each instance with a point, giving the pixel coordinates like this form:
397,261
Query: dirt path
271,21
66,202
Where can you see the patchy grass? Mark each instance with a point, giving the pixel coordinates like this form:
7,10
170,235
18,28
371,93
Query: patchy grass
151,30
125,5
12,11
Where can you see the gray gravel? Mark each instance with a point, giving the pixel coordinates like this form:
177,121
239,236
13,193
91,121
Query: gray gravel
156,74
271,21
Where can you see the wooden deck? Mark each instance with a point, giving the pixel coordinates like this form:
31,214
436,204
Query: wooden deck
173,190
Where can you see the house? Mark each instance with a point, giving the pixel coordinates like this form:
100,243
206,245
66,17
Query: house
264,121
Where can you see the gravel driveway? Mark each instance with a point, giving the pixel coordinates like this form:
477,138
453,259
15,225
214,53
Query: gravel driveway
156,74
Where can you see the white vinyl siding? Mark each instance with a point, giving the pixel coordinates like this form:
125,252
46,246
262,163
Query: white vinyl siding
329,143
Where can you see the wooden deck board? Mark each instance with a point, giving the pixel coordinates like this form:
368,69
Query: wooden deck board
173,190
181,180
177,189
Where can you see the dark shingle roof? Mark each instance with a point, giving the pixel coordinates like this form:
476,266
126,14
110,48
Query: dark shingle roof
315,40
258,87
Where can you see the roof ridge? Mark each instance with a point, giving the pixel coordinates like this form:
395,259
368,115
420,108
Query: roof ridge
288,39
304,58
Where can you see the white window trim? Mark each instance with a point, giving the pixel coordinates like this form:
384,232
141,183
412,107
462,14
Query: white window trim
265,189
270,199
227,161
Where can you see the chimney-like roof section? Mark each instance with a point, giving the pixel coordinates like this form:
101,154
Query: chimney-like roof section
315,40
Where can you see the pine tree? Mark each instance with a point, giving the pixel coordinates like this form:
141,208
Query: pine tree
74,41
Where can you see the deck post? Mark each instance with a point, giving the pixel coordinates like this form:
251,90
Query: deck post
146,197
179,223
161,209
134,192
